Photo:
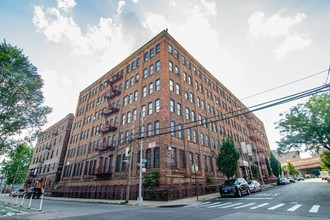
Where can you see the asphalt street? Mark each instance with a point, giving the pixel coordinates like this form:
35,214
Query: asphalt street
301,200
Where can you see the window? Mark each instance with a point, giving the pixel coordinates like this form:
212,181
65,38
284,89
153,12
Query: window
172,106
127,84
157,128
182,159
128,68
180,131
191,159
157,105
156,157
170,66
202,139
171,85
187,113
128,117
133,65
157,85
123,119
118,162
145,56
176,54
170,49
144,91
157,66
173,128
173,158
134,114
184,76
148,157
189,134
143,111
136,95
138,61
178,107
183,60
189,80
151,88
149,108
137,77
195,135
151,70
177,70
149,129
193,116
152,52
191,97
177,89
157,48
145,73
132,81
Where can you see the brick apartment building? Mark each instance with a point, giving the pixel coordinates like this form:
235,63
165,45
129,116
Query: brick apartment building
48,158
161,93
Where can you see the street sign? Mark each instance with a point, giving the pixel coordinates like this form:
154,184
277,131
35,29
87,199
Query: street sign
144,161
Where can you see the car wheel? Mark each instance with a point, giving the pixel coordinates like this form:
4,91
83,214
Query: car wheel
248,191
239,193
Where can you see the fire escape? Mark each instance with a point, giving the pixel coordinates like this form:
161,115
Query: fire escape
110,125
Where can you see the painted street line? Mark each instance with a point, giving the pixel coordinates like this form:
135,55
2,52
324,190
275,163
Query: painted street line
242,206
219,205
227,206
314,209
276,207
294,208
258,206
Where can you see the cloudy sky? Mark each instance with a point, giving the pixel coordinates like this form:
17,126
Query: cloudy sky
250,46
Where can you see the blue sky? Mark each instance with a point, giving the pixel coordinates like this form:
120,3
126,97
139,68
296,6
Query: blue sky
250,46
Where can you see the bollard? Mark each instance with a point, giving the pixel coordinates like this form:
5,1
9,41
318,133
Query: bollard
42,199
22,200
30,201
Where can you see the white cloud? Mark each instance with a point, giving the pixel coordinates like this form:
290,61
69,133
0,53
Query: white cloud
273,26
292,43
66,4
59,27
172,3
121,5
135,1
277,26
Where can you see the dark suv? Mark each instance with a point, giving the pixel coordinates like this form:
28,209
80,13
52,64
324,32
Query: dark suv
234,187
34,192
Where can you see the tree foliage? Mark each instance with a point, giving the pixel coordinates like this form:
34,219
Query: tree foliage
325,160
152,180
255,172
21,98
17,164
290,169
275,165
227,158
269,169
306,125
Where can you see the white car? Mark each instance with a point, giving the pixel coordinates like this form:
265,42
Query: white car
18,192
254,186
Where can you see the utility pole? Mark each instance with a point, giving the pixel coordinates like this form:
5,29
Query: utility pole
130,160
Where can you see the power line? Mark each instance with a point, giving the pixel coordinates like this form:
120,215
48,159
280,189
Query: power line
295,81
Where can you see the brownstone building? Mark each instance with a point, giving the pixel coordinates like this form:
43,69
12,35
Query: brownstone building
163,99
48,158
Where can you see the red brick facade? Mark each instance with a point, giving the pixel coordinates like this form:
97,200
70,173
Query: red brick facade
178,99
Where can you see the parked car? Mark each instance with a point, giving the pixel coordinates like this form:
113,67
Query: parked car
18,192
291,179
234,187
254,186
281,181
34,192
299,178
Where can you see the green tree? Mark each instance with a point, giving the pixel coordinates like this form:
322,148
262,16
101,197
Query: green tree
268,167
152,180
21,100
227,158
275,165
255,172
290,169
306,125
16,166
325,161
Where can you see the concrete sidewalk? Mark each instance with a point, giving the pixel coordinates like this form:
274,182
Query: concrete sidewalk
147,203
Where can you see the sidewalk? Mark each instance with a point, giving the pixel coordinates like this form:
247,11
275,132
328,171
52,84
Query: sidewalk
147,203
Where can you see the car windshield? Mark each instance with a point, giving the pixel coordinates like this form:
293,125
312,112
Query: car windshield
229,182
249,182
